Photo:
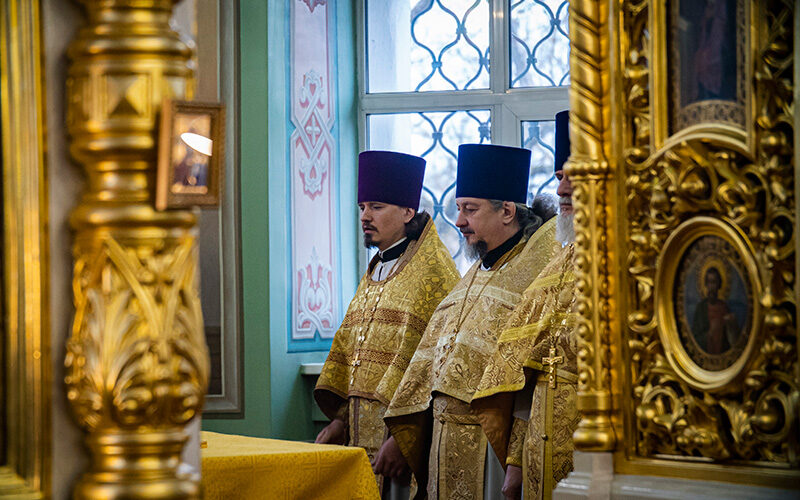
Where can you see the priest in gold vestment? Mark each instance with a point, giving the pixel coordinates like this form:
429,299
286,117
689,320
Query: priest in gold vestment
526,398
404,283
429,416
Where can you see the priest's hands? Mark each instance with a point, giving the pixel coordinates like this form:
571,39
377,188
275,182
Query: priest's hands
512,486
390,461
333,433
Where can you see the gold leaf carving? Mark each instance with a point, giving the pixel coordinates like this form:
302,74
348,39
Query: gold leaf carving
753,419
590,173
126,95
135,358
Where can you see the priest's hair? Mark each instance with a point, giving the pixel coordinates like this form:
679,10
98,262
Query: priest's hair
416,225
531,218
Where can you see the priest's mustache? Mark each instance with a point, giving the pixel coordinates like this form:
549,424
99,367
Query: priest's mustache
367,226
467,231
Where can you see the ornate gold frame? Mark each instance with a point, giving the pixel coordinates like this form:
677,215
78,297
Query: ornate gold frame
26,473
165,198
666,269
633,186
660,98
744,63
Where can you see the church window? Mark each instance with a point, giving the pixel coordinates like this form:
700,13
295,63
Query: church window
439,73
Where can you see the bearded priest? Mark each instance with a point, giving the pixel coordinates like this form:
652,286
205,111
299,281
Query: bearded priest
405,281
526,398
429,416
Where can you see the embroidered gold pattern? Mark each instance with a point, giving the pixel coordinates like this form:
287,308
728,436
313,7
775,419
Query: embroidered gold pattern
461,364
373,346
541,326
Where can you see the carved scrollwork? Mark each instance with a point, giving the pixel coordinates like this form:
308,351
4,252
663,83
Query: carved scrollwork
135,343
590,173
754,418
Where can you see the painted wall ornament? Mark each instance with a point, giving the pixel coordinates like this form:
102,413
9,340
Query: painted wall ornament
313,170
312,4
315,298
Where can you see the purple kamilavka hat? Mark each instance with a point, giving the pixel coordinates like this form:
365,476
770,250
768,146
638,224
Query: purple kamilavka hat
390,177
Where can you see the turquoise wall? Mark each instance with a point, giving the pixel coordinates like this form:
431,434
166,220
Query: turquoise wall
278,399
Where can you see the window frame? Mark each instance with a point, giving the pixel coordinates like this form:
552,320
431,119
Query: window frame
508,107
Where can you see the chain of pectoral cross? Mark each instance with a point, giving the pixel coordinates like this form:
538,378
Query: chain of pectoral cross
363,328
451,342
552,360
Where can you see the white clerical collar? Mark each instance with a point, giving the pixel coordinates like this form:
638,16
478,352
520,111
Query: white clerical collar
401,240
388,265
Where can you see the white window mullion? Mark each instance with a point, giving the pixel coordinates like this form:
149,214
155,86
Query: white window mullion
499,52
538,104
504,126
428,101
361,49
535,103
511,127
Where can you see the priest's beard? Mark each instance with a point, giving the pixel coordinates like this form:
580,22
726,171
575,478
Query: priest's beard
565,228
477,250
369,242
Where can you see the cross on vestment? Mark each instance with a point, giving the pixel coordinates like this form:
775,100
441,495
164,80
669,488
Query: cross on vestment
551,362
446,350
356,362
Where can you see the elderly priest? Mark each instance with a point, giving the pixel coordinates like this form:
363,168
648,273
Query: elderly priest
526,399
429,416
408,277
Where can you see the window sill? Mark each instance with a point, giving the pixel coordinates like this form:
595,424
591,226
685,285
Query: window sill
311,369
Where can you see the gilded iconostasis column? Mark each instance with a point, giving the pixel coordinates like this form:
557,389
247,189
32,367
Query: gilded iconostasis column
590,172
136,364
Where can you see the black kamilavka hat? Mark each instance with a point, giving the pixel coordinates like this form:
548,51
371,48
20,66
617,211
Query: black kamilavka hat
493,172
562,140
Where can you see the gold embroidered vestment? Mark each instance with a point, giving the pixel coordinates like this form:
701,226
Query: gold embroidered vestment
448,365
544,318
378,336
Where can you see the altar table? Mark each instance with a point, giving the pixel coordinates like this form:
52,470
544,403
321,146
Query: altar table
255,468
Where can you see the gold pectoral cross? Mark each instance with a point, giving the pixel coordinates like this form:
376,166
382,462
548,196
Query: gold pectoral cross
551,362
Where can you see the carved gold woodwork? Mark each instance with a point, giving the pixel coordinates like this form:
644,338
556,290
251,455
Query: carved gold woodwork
591,175
137,364
634,188
25,384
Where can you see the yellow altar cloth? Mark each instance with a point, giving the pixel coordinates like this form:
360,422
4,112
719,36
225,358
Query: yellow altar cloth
253,468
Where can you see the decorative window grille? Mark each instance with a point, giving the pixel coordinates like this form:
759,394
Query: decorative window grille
438,73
